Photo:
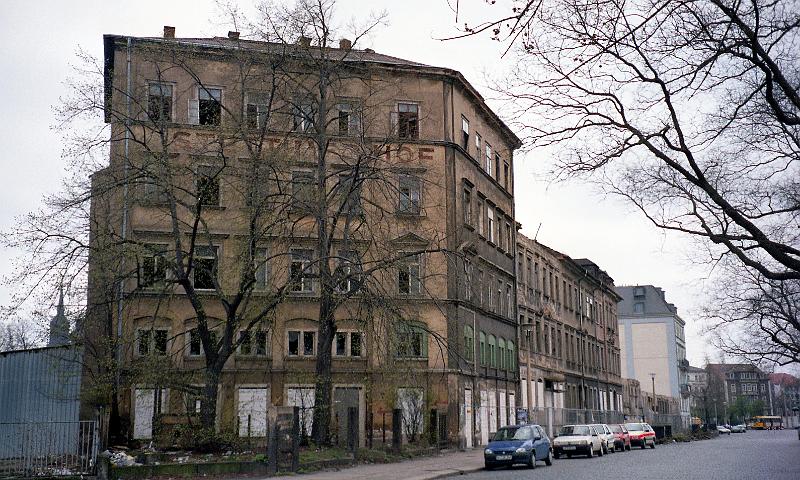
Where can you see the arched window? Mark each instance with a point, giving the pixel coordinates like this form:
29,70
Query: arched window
501,353
511,364
469,343
492,360
412,340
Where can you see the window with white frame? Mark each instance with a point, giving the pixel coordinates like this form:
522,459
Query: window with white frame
410,193
303,115
301,343
151,341
348,272
407,120
488,166
490,224
465,133
159,102
153,267
300,270
208,109
257,107
347,344
348,118
409,275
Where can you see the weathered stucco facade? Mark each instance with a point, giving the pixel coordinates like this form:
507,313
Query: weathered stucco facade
445,163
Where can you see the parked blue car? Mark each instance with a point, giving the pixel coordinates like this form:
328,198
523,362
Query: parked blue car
518,444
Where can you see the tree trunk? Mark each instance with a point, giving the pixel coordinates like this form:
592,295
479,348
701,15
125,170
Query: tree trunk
208,405
323,387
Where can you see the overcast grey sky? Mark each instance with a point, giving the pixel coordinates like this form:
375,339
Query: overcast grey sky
38,41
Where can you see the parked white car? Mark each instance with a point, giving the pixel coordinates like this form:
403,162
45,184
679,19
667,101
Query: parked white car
723,430
606,435
577,440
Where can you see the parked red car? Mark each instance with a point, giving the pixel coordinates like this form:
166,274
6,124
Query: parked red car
622,439
641,434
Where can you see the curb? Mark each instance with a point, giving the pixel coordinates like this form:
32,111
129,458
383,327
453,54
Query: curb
456,472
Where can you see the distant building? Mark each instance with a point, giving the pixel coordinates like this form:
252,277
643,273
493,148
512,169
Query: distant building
741,380
653,345
698,383
786,395
59,325
632,404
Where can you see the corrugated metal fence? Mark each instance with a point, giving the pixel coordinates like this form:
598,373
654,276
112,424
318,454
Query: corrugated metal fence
48,448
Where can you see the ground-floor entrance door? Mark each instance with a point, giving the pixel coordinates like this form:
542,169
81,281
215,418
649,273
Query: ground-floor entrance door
144,405
344,398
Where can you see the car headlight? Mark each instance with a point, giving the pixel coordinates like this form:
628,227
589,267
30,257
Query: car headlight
488,451
521,450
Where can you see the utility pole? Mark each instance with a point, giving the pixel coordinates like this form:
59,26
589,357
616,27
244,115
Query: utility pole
653,378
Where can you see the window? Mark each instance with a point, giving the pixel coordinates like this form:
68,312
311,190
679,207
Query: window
501,353
151,341
482,345
509,247
505,175
300,274
467,206
302,190
209,105
260,267
412,341
349,272
257,109
409,200
481,221
638,307
638,291
465,133
159,102
409,273
497,163
469,343
196,345
349,119
478,147
491,351
153,192
490,223
408,120
207,185
153,269
488,165
301,343
205,267
509,302
467,280
303,116
511,363
347,344
253,343
348,190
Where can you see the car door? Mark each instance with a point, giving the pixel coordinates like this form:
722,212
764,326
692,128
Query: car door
541,445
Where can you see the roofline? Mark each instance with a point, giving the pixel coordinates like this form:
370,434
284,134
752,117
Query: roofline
37,349
110,40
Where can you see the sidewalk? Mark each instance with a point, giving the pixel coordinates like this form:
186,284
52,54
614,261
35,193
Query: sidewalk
427,468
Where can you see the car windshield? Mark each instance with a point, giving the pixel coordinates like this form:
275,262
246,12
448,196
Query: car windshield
635,426
513,433
615,428
573,430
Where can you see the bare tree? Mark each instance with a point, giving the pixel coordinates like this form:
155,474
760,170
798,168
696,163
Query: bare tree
689,109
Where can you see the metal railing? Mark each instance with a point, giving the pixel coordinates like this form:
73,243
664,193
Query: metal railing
48,448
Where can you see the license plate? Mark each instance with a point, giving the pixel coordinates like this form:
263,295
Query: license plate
503,457
570,447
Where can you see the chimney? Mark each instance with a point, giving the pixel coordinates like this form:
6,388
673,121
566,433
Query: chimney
369,50
169,32
233,35
304,41
345,44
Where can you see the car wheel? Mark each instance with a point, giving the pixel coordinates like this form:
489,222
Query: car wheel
532,460
644,445
653,445
569,455
600,452
591,452
548,459
628,447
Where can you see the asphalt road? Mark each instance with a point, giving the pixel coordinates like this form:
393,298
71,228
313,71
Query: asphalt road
770,455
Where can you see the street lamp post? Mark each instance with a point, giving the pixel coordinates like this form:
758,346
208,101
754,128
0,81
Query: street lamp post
653,378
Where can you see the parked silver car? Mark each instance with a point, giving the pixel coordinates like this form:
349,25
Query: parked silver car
577,440
606,435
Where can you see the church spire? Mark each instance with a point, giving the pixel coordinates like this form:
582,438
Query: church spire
59,325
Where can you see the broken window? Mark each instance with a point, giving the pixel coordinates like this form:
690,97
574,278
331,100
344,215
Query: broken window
209,105
159,102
